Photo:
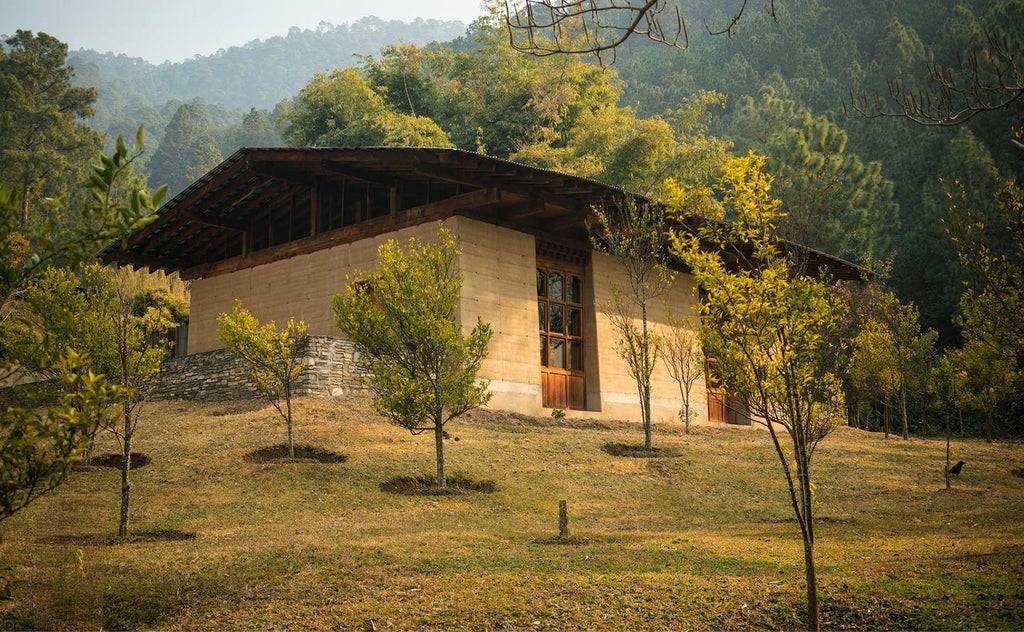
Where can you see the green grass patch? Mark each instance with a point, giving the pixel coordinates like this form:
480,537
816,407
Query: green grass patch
702,541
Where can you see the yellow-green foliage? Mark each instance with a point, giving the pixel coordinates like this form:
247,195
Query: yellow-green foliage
402,318
770,326
271,356
773,329
37,446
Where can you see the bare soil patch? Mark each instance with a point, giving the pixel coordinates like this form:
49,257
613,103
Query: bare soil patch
303,454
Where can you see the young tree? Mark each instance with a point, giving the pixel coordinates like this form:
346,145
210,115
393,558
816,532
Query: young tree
635,235
684,359
991,376
402,318
871,369
892,350
39,445
271,357
137,347
948,380
94,312
771,326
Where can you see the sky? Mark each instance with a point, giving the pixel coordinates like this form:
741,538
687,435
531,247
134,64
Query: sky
160,30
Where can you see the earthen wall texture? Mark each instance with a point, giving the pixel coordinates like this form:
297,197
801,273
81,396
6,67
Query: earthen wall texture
498,268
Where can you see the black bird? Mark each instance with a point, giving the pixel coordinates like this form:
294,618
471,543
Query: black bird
955,470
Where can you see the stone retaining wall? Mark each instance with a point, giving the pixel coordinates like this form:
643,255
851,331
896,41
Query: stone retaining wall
331,370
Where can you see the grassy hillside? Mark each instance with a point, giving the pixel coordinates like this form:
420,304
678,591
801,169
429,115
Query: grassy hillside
701,540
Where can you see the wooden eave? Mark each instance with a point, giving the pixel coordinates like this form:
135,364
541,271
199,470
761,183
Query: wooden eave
223,203
228,198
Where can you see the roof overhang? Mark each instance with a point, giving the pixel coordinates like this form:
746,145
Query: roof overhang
226,200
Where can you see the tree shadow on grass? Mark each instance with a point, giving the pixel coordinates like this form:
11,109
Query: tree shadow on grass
572,540
303,454
634,451
139,460
458,485
158,535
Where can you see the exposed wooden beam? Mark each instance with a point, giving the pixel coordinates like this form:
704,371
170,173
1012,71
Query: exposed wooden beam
569,221
153,263
219,222
358,173
524,210
408,217
270,170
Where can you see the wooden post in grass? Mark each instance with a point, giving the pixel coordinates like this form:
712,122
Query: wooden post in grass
948,486
563,520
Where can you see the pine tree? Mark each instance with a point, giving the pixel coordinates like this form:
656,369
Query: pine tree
188,150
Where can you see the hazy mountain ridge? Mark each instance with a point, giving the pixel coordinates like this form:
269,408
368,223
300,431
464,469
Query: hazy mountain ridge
258,74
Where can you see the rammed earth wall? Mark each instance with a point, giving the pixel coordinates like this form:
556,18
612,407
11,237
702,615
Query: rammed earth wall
331,370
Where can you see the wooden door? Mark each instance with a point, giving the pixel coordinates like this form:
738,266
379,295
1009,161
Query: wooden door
560,317
716,405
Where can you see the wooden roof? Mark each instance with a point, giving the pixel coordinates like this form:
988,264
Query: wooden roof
226,200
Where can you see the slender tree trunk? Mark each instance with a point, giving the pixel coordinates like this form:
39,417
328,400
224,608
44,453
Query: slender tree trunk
645,388
439,449
903,411
806,508
646,400
947,450
813,616
802,502
960,414
885,418
126,456
686,410
24,206
988,426
126,467
288,405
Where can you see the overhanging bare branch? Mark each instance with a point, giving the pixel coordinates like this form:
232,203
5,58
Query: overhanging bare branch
983,81
600,27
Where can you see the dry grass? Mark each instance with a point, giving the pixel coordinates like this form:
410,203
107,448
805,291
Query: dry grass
700,540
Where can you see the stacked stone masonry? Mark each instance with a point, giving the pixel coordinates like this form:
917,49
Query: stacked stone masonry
331,370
